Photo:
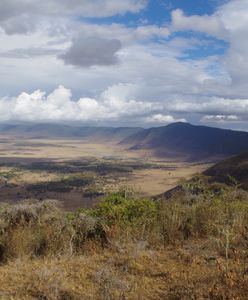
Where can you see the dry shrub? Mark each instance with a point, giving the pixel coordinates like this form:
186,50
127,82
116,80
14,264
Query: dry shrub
31,229
126,254
49,284
21,242
42,228
110,286
172,222
85,228
142,259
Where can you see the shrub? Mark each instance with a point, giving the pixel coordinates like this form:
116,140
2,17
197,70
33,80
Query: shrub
118,210
41,228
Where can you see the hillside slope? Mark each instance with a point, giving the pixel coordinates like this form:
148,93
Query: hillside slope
190,142
235,167
225,173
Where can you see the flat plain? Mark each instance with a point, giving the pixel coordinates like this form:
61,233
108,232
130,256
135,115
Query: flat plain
79,172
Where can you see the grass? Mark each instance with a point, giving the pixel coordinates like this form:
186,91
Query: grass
160,274
193,246
63,185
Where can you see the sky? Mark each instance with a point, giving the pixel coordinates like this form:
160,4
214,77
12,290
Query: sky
124,63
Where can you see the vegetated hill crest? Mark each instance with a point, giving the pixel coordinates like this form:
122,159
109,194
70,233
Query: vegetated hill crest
232,169
189,142
229,172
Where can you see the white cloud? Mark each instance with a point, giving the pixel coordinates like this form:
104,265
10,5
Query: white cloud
229,22
162,119
215,108
234,15
219,119
78,43
59,106
21,16
211,25
127,35
153,74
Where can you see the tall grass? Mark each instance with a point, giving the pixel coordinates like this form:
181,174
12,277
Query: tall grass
34,228
119,243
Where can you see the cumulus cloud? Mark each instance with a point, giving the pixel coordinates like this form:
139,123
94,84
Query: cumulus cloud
29,52
211,25
158,79
234,16
212,105
21,24
162,119
229,22
127,35
59,106
89,8
219,119
20,16
86,52
91,45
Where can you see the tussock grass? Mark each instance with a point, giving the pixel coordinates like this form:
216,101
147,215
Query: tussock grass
193,246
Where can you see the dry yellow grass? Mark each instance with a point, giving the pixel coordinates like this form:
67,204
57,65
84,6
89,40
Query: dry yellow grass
61,149
152,182
194,249
28,177
131,273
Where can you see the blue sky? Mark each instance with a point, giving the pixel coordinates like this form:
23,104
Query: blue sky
133,62
159,11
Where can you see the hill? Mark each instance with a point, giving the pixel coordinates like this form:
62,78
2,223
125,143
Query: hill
224,174
176,141
183,140
235,167
46,131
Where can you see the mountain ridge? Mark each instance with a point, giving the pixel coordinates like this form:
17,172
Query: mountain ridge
192,142
177,140
46,130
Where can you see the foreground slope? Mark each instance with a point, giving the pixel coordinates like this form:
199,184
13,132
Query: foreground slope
126,248
187,141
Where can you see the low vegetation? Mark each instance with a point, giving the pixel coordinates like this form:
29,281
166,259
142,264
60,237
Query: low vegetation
192,246
63,185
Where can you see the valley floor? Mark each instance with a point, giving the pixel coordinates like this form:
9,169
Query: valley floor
25,165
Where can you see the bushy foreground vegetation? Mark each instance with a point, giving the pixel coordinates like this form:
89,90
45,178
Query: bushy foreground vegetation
193,246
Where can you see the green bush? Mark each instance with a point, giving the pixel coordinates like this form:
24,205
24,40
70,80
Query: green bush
41,228
116,209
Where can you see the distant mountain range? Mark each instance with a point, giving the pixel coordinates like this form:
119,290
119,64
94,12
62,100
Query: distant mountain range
48,131
189,142
177,140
